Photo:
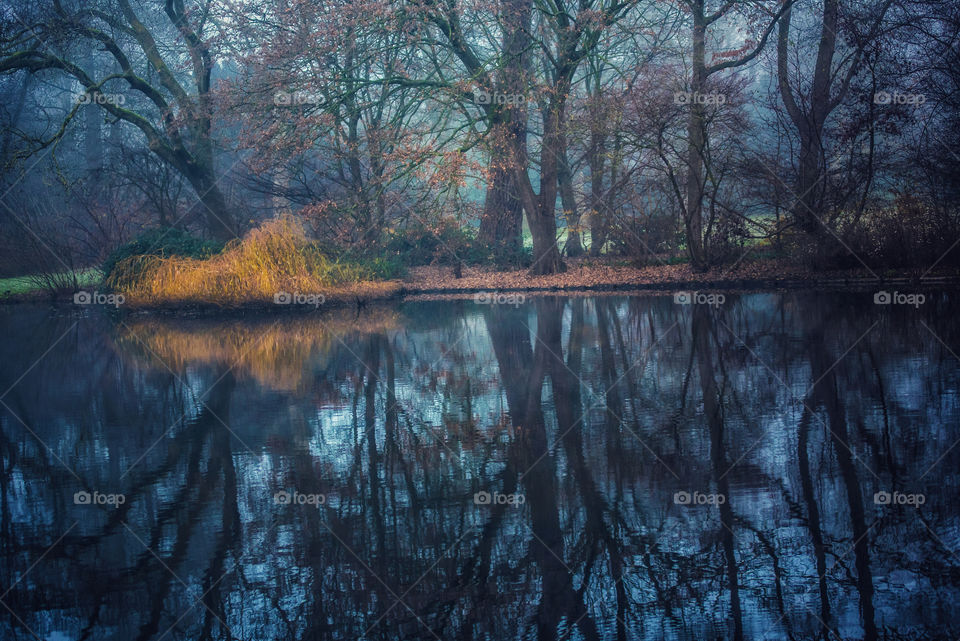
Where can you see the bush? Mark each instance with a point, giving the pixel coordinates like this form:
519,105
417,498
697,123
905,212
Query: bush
647,237
444,244
504,258
379,268
727,239
906,233
276,257
163,242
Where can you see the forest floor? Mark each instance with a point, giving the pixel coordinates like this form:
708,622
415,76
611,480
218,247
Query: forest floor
591,274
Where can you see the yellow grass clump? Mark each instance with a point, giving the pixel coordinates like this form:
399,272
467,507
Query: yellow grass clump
276,257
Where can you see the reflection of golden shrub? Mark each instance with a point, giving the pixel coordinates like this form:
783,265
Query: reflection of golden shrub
276,257
274,353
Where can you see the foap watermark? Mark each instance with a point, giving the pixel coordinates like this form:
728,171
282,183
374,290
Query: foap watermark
898,298
899,498
96,498
99,98
296,498
291,98
296,298
486,498
897,98
98,298
698,498
699,298
697,98
499,298
483,97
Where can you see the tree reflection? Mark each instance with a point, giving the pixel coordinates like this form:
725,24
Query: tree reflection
595,411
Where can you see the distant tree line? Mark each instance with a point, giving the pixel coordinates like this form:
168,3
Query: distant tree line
692,130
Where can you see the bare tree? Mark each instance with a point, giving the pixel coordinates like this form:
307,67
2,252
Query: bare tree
164,59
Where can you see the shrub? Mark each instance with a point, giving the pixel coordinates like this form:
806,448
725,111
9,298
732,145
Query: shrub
647,238
163,242
905,233
444,244
276,257
380,267
516,258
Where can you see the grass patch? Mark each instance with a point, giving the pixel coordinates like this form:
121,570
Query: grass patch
276,257
36,283
17,286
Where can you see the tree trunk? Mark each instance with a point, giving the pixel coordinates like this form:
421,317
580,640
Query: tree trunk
219,218
695,141
546,255
810,122
200,170
501,224
568,200
809,175
598,221
596,160
541,208
502,218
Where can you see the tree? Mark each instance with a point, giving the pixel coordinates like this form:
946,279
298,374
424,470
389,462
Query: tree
502,220
809,110
754,13
561,37
165,60
330,121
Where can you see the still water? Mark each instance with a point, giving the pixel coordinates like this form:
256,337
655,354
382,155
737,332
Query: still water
781,466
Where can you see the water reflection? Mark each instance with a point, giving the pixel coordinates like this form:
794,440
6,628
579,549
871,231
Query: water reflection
606,468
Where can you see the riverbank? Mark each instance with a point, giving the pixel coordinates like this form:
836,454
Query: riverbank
583,275
605,275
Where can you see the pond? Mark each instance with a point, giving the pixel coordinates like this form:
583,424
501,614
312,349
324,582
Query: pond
754,466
